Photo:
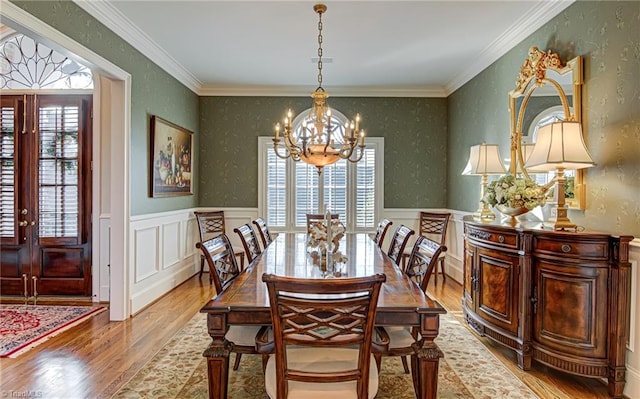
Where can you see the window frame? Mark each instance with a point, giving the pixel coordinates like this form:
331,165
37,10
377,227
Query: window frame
265,143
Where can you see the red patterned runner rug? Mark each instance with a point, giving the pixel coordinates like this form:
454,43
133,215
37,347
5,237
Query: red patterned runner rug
23,327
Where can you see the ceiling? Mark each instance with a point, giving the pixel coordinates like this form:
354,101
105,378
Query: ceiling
371,48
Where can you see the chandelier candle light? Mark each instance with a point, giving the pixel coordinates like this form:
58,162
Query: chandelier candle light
319,141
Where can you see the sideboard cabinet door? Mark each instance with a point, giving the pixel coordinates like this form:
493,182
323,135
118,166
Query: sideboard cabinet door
497,294
468,296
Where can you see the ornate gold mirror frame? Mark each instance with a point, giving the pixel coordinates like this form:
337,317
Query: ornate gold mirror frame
542,71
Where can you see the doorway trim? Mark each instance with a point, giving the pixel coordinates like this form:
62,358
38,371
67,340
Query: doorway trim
117,108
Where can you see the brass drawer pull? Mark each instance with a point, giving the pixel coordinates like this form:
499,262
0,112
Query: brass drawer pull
501,239
566,248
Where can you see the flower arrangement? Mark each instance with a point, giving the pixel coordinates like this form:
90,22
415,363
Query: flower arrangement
514,192
325,241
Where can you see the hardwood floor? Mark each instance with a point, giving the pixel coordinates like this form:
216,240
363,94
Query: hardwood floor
96,358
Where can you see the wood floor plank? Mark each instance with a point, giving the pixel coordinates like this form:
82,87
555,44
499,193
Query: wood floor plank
98,357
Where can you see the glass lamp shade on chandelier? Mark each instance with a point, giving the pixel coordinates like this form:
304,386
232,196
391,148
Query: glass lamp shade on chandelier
320,140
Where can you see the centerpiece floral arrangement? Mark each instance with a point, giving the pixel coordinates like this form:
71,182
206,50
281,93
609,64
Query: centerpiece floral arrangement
327,240
514,192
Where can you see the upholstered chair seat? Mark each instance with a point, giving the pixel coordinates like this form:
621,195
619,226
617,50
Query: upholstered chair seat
319,360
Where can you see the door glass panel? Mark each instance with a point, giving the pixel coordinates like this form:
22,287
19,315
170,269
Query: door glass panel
7,172
58,171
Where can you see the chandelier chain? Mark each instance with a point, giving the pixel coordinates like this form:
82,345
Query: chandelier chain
318,141
319,50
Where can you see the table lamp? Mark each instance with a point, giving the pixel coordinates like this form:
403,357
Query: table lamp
560,146
484,159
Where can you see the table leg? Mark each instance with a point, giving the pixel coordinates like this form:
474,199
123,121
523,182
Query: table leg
217,371
217,355
427,360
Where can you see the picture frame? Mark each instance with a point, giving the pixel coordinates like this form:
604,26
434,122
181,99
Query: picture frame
171,168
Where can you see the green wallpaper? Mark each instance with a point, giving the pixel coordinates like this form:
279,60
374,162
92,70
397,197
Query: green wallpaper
153,92
607,35
427,139
415,145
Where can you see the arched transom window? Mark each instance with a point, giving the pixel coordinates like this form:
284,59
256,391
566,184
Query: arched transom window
27,64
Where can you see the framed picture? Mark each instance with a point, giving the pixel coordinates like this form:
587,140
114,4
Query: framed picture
171,159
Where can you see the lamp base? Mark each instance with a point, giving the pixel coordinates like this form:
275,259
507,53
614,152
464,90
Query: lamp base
484,214
560,221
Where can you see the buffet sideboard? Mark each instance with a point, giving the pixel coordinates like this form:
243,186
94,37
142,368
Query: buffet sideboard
559,298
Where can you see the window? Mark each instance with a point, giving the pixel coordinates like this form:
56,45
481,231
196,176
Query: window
353,190
27,64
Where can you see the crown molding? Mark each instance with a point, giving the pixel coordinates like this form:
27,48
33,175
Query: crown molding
113,19
335,91
530,22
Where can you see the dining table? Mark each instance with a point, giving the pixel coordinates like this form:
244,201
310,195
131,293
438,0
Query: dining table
246,301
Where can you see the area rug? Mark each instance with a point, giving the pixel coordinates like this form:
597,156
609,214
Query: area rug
468,370
23,327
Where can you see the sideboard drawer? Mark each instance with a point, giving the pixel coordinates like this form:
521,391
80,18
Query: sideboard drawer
583,249
505,239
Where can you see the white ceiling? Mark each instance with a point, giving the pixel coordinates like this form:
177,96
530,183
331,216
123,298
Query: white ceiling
377,48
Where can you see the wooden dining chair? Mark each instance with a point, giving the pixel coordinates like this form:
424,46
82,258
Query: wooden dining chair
318,218
211,224
249,241
263,229
381,231
434,226
322,337
399,242
420,266
221,260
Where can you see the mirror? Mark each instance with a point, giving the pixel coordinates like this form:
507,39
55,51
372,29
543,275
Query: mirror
547,90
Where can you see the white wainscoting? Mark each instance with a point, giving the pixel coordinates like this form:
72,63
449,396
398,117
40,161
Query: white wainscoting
158,262
163,252
632,388
102,268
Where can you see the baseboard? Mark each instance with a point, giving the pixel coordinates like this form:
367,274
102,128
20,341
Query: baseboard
632,387
145,297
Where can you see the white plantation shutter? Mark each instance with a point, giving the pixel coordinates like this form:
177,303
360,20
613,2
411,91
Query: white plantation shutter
276,189
366,190
58,171
306,192
335,188
7,172
289,190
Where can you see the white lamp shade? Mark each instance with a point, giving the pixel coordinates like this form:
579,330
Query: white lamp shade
560,145
527,150
484,159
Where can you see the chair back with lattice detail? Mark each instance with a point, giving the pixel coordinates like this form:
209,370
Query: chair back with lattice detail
434,226
423,260
381,231
220,257
265,235
210,224
319,320
318,218
399,242
249,241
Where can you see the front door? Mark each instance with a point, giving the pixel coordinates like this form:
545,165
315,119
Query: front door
45,195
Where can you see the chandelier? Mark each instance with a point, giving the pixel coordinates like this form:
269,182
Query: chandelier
320,140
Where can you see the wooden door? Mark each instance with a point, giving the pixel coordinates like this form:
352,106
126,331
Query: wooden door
45,195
